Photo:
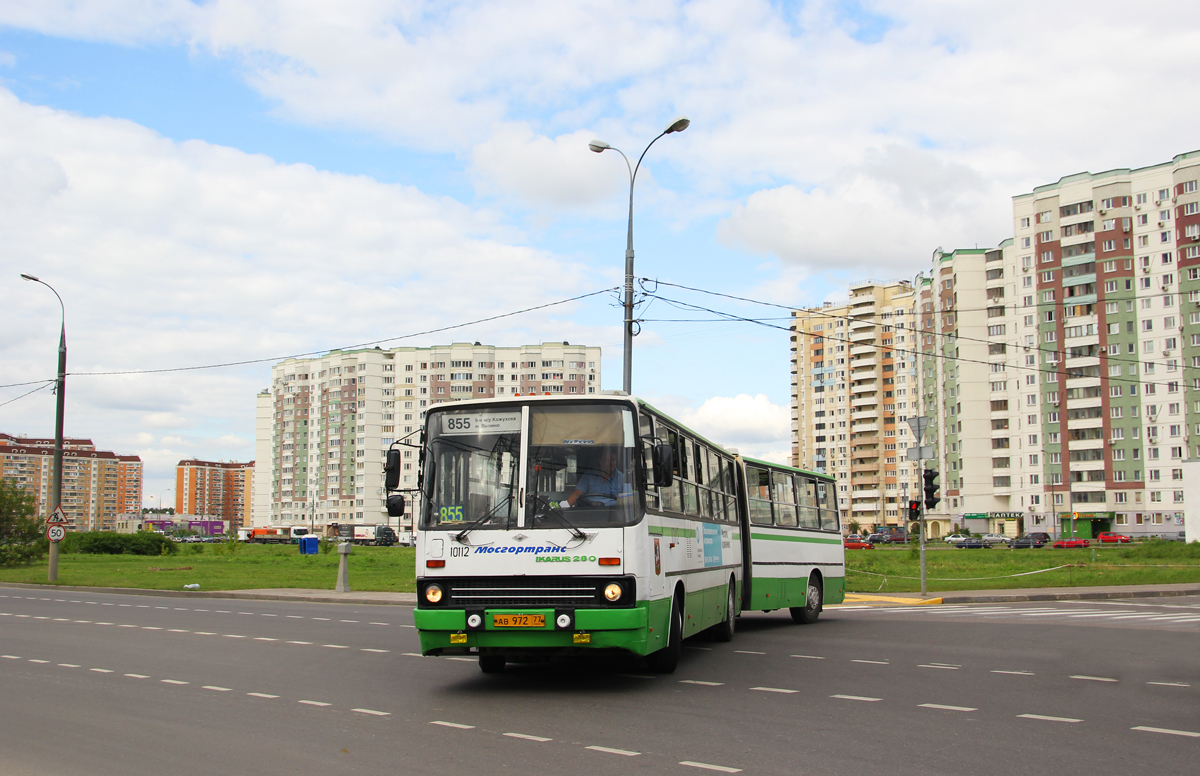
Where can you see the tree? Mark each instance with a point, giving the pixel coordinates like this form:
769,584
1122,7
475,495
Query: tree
20,530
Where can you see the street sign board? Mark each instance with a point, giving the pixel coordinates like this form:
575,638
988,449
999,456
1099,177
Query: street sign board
57,517
56,533
918,424
918,453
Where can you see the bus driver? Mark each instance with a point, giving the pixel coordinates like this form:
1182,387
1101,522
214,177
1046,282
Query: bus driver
601,485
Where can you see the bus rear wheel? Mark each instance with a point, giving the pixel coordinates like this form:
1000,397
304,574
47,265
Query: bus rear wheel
491,664
808,614
666,659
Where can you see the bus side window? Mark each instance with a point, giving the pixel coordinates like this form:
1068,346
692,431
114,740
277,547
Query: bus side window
691,499
670,496
825,500
810,517
646,432
758,490
785,499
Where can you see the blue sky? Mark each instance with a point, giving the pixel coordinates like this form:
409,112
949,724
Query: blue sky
230,180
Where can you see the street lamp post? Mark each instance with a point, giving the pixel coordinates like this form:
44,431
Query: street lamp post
60,391
599,146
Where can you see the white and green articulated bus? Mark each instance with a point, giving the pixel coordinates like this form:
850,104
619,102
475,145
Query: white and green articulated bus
569,526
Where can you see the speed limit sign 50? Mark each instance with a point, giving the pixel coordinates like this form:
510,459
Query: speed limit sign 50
56,533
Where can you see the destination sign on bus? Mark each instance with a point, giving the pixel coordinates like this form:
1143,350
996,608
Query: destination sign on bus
463,423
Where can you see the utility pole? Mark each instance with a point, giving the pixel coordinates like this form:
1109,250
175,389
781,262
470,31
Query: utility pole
919,453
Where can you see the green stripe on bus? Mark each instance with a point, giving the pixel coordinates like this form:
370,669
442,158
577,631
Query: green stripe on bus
686,533
794,538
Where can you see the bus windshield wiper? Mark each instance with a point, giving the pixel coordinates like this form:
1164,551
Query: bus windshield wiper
461,536
538,498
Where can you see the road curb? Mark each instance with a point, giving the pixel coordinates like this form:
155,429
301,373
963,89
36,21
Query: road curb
1082,595
395,599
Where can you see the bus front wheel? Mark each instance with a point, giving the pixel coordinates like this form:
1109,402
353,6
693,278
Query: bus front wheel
808,614
666,659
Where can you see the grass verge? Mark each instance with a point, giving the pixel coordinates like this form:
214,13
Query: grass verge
388,569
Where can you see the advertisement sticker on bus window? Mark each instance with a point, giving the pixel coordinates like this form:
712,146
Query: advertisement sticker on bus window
463,423
711,535
579,442
657,558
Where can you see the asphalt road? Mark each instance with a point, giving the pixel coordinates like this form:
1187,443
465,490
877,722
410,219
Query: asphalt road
117,684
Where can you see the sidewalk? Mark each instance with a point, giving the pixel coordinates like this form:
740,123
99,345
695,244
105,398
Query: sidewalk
280,594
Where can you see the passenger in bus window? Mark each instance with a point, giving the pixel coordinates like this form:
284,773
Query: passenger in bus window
602,484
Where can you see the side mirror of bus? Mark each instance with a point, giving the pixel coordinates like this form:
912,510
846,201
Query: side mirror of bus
395,505
664,465
391,468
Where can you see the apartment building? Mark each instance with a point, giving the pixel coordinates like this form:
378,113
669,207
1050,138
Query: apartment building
855,384
219,490
1061,370
325,424
98,485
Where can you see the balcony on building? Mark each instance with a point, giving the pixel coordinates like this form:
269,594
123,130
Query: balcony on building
861,335
865,387
867,401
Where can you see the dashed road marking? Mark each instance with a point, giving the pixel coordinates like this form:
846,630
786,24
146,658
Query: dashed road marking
300,642
856,698
176,630
748,652
1168,731
1160,684
609,750
215,688
101,670
1015,673
697,681
35,660
335,646
368,649
945,668
233,636
773,689
11,657
463,659
347,620
412,654
1048,719
145,627
711,767
173,681
264,638
452,725
261,695
527,737
810,657
137,676
326,619
377,623
1094,678
946,708
873,662
373,712
293,617
313,703
205,633
68,665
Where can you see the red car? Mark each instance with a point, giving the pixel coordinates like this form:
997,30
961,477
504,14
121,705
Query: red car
1106,537
1068,544
858,543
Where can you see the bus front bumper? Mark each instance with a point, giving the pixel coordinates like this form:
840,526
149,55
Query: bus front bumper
445,632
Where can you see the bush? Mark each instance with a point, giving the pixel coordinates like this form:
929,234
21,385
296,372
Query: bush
1161,549
20,530
109,543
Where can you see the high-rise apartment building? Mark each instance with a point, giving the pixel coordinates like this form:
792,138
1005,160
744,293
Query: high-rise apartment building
854,387
325,424
97,485
1061,371
217,490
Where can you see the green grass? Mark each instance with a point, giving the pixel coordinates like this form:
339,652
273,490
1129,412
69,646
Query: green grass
951,569
388,569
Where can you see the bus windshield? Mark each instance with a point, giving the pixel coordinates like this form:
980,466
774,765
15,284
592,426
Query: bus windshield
579,469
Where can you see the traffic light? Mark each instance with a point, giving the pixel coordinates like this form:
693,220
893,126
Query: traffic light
914,510
931,499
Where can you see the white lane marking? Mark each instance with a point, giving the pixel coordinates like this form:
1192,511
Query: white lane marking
377,623
856,698
1015,673
176,630
452,725
464,659
526,737
214,687
1096,614
809,657
946,708
313,703
119,626
148,627
947,668
11,657
1048,719
873,662
773,689
233,636
180,609
101,670
368,649
85,621
68,665
609,750
35,660
408,626
41,618
106,604
748,652
1168,731
1094,678
137,676
299,642
261,695
173,681
347,620
264,614
950,665
335,646
264,638
250,613
199,610
710,767
373,712
139,606
412,654
219,611
5,614
1160,684
326,619
124,604
26,616
157,607
294,616
697,681
205,633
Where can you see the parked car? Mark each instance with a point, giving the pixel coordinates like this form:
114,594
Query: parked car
995,538
857,543
1041,536
878,538
973,543
1068,544
900,537
956,539
1108,537
1028,541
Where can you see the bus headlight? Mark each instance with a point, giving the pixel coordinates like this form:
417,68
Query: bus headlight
613,592
433,594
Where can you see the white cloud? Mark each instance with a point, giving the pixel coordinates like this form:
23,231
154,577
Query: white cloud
554,173
752,425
